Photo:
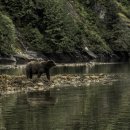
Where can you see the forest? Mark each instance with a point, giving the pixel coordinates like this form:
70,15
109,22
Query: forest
64,26
64,64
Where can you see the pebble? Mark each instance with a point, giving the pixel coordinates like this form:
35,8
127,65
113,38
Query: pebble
36,87
11,84
40,84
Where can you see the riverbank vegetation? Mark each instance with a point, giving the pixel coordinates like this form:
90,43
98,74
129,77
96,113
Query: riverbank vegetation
53,26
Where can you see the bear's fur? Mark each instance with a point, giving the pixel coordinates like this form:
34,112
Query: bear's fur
38,68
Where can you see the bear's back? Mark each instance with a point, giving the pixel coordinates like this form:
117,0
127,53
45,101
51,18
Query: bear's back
33,66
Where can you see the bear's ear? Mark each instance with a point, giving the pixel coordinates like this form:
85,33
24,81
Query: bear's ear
51,63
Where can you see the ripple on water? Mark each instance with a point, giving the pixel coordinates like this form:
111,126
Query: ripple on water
95,107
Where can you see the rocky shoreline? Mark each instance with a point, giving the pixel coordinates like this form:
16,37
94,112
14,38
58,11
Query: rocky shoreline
60,57
70,57
17,84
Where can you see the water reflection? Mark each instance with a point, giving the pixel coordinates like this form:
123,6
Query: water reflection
84,108
73,68
70,69
12,70
60,69
97,107
36,99
110,68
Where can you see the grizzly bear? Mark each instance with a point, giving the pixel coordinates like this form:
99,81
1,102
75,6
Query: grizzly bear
38,68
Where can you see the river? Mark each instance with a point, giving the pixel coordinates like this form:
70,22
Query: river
97,107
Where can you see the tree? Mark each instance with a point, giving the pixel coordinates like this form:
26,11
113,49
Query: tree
7,34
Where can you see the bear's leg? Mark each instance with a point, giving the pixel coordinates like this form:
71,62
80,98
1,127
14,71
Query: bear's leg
39,75
29,73
48,75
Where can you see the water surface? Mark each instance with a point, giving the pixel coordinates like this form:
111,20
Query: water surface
97,107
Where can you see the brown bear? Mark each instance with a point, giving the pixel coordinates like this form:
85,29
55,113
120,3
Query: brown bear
35,67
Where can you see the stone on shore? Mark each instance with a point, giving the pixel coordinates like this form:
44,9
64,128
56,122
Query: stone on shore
13,84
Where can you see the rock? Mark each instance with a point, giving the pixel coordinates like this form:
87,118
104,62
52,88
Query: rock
87,84
21,83
36,87
41,89
5,58
90,53
52,86
40,84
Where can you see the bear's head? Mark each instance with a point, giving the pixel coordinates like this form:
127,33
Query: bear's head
51,63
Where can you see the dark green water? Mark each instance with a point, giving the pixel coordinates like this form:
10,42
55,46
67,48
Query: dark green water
98,107
73,68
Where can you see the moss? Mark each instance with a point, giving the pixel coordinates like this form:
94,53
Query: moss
7,34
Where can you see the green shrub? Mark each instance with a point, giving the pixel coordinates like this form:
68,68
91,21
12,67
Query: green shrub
65,25
7,34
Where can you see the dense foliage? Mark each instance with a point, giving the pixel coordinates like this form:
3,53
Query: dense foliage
65,25
7,34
